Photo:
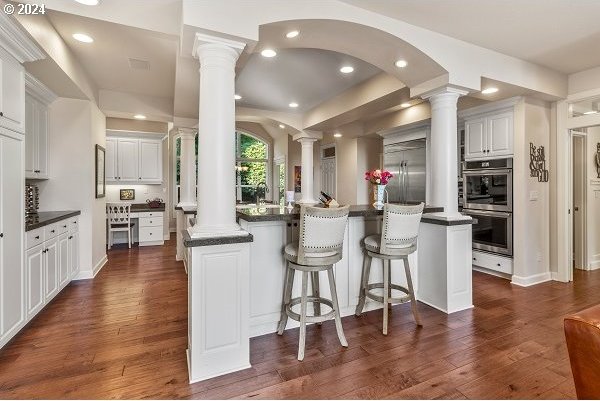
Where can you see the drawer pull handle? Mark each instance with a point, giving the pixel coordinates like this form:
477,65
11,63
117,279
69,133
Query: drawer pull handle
1,235
498,264
1,114
64,226
53,231
474,258
37,237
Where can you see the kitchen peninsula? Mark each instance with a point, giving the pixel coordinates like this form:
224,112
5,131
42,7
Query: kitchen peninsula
229,305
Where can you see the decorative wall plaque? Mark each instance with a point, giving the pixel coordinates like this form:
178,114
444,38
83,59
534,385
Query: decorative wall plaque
537,163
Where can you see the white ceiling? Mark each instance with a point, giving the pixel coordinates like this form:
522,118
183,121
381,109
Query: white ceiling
560,34
305,76
107,59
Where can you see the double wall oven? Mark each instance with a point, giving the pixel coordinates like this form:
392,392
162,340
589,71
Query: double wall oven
488,198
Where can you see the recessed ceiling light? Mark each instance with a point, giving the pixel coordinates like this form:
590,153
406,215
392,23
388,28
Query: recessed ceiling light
293,105
82,37
237,97
139,117
401,63
89,2
346,69
591,112
281,126
337,135
405,105
292,34
489,90
268,53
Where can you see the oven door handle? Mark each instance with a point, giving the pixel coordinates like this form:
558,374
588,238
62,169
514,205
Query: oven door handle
486,213
488,171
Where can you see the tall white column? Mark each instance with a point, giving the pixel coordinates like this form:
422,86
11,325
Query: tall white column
187,167
307,140
216,138
443,149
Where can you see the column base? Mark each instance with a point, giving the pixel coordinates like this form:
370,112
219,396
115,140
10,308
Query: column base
228,230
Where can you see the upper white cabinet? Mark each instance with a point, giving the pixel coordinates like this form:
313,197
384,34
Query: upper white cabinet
37,99
131,160
489,136
12,93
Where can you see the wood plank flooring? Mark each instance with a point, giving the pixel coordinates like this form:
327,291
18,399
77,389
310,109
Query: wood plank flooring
124,334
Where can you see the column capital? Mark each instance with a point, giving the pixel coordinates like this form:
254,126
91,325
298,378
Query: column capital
203,42
307,136
187,132
444,90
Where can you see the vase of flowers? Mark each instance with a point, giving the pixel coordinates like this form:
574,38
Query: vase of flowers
379,179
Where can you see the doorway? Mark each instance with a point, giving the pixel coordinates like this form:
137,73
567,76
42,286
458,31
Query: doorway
279,180
328,170
579,187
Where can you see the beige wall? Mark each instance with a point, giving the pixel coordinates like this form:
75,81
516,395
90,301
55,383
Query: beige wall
593,200
125,124
531,224
584,80
369,151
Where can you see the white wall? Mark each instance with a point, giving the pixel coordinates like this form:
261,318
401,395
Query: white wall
75,126
531,223
369,151
593,200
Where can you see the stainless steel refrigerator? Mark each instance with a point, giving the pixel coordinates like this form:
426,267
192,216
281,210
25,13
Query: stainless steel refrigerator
407,162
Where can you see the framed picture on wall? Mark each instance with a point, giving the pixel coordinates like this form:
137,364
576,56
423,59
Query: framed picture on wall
297,179
100,172
127,194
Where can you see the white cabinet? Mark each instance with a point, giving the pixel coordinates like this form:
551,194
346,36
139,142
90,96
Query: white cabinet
151,228
63,260
133,160
12,94
36,137
34,266
73,254
489,136
12,215
51,266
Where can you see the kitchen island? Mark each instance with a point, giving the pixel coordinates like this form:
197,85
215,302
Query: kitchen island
236,283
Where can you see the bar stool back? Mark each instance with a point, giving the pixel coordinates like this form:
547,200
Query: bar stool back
319,247
398,239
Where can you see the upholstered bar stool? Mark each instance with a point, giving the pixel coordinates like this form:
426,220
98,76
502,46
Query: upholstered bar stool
398,239
319,247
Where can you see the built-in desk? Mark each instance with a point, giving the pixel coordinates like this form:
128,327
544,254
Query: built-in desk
148,226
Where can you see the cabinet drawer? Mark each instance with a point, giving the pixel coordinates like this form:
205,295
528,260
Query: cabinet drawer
151,221
149,234
34,237
73,224
493,262
150,214
50,231
62,227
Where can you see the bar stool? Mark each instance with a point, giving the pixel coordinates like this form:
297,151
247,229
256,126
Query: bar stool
398,239
320,246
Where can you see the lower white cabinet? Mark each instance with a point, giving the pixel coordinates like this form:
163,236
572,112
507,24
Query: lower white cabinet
34,268
73,254
151,228
490,261
51,268
63,260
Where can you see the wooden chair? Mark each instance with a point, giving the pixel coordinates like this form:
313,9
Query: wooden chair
119,220
398,239
319,248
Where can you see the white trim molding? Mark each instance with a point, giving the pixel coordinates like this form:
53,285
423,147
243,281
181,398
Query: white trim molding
87,274
16,42
531,280
38,90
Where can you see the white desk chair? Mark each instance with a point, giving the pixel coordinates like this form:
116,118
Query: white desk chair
119,220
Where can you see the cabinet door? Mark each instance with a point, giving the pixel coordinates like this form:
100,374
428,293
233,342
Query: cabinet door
51,267
150,161
42,140
63,260
111,159
12,95
128,159
34,263
74,254
500,134
30,137
12,277
475,138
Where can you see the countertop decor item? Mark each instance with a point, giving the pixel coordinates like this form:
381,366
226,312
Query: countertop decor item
289,198
597,159
154,203
100,172
127,194
379,179
537,163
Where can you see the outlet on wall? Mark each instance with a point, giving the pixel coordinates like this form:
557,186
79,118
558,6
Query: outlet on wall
538,256
534,195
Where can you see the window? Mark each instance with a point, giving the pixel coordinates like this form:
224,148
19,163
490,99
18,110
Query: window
252,162
178,166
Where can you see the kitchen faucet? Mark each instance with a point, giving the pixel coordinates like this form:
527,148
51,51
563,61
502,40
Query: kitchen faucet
259,200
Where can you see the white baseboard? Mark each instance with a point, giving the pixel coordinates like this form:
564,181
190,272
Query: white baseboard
87,274
167,236
595,265
531,280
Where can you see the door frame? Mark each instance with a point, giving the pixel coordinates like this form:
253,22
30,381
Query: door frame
584,257
563,271
275,176
329,146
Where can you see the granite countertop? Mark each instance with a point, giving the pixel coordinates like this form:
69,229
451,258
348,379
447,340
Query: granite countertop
187,209
143,207
285,214
42,219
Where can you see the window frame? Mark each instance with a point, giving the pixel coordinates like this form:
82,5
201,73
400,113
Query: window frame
239,160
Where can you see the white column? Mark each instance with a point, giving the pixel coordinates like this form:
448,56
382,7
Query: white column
307,140
187,167
443,149
216,138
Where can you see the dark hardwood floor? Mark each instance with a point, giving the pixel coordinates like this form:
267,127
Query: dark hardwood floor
124,334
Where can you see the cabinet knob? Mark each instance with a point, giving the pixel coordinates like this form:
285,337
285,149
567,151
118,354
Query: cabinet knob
1,235
140,178
474,258
1,114
289,224
53,231
295,224
498,264
65,226
71,237
37,237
